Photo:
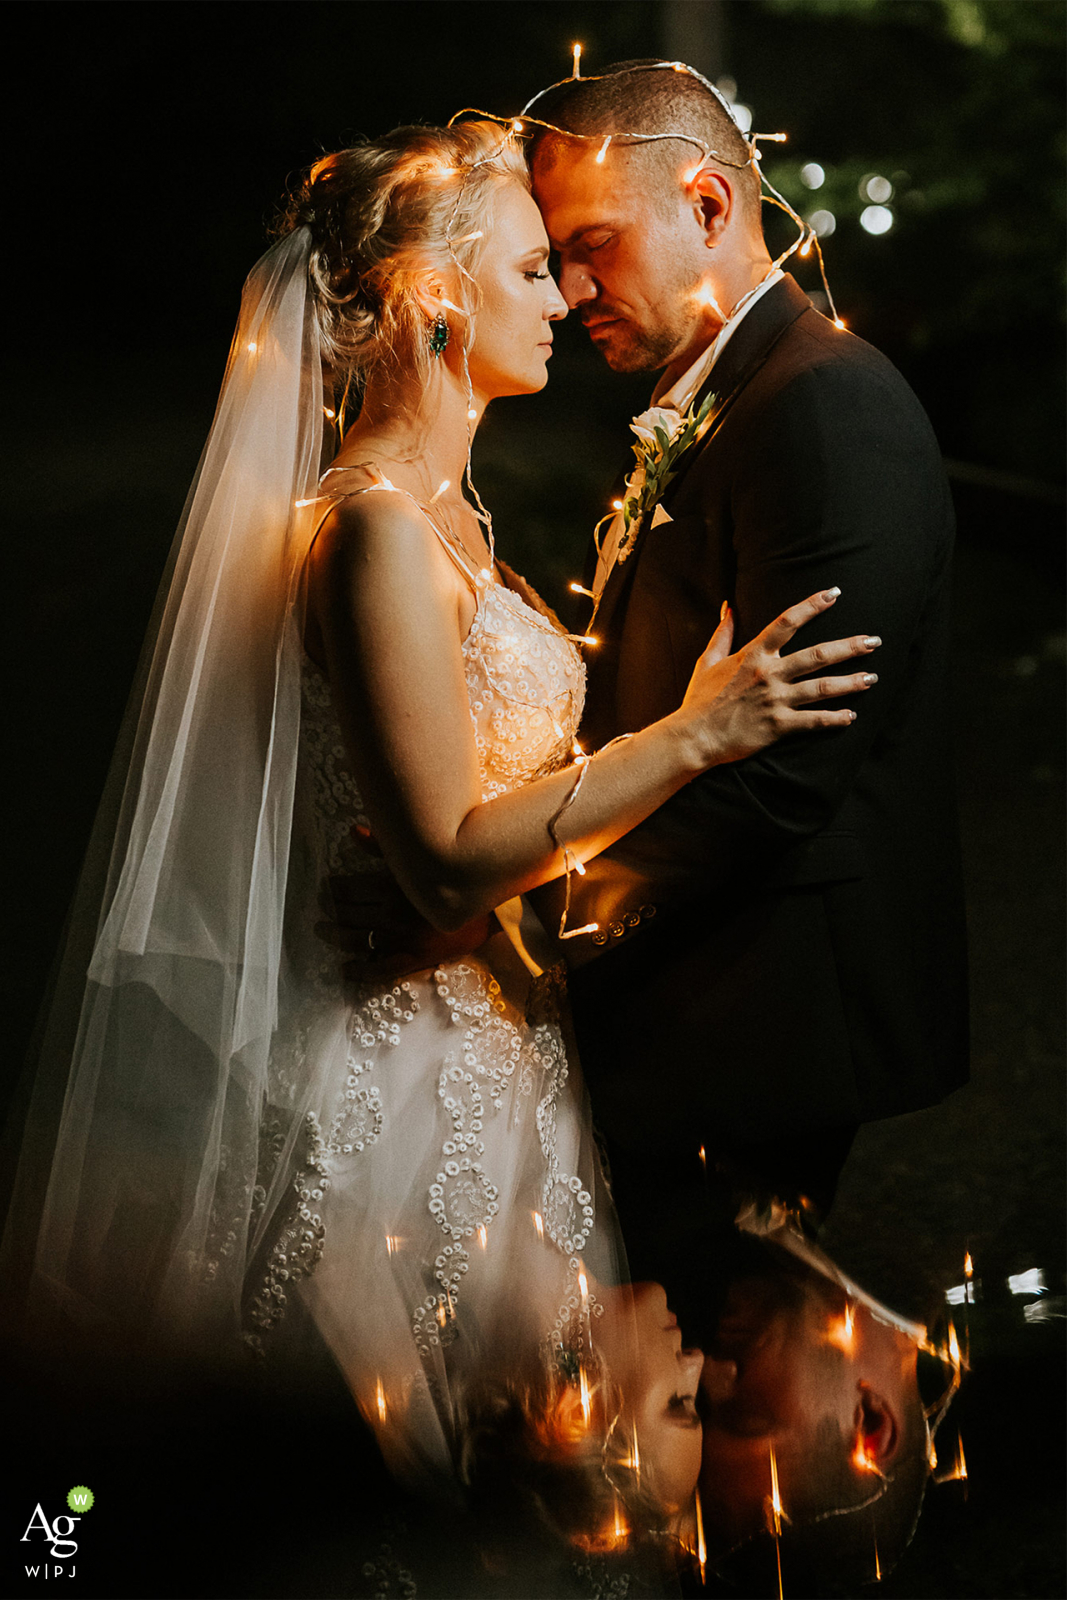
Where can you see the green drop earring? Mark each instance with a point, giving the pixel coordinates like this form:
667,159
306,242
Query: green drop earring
439,335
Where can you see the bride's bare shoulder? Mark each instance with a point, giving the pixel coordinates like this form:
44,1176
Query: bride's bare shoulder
368,525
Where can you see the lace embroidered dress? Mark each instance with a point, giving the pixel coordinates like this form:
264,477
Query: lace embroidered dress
442,1192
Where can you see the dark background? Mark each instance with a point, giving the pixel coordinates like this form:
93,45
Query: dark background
148,147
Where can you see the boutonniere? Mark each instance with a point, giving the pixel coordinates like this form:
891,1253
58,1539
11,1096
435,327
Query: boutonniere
663,437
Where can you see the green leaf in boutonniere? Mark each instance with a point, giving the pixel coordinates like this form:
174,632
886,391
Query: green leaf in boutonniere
663,436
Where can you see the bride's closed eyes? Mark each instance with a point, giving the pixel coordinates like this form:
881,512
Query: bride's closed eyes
682,1411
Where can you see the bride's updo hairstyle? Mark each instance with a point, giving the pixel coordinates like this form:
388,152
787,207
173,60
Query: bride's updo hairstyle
384,213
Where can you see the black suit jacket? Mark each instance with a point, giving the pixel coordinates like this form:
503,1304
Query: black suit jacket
806,963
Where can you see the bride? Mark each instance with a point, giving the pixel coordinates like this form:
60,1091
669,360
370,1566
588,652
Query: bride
244,1141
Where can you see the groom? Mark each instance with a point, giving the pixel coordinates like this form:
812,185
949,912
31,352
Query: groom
781,948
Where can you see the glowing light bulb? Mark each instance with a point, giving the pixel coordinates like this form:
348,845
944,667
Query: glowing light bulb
616,505
576,51
446,483
472,415
589,638
326,411
839,324
516,126
602,152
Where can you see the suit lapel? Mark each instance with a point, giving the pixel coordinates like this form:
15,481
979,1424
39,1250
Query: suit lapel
745,353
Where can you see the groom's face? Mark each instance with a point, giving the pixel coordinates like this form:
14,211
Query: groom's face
631,254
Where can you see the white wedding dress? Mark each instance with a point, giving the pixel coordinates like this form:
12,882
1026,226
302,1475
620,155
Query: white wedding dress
443,1213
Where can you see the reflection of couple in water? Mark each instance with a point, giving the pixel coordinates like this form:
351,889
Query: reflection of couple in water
389,1152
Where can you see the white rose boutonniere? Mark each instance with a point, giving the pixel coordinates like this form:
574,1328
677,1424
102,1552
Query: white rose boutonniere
663,435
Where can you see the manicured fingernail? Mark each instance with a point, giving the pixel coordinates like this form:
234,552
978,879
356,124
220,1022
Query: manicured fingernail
873,642
852,715
725,609
831,594
870,677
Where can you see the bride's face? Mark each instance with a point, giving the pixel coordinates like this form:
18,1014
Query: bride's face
519,300
639,1339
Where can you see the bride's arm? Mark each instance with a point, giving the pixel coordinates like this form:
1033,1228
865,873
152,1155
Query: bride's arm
392,611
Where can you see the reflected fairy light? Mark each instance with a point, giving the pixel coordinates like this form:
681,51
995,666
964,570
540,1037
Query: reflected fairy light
379,1401
483,1237
957,1473
775,1497
584,1396
776,1515
954,1347
842,1330
393,1242
1030,1282
701,1549
539,1224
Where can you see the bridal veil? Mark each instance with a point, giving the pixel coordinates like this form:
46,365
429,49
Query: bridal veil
155,1051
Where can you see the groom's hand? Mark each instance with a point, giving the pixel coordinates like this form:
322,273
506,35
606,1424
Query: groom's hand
380,934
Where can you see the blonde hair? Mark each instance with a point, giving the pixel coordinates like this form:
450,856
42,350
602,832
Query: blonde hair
383,214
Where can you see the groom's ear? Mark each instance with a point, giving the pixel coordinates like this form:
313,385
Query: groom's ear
876,1430
712,200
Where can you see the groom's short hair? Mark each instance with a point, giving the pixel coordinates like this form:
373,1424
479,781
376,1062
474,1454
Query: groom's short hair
642,97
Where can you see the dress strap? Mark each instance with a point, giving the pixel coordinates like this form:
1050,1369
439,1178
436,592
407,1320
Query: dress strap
477,580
